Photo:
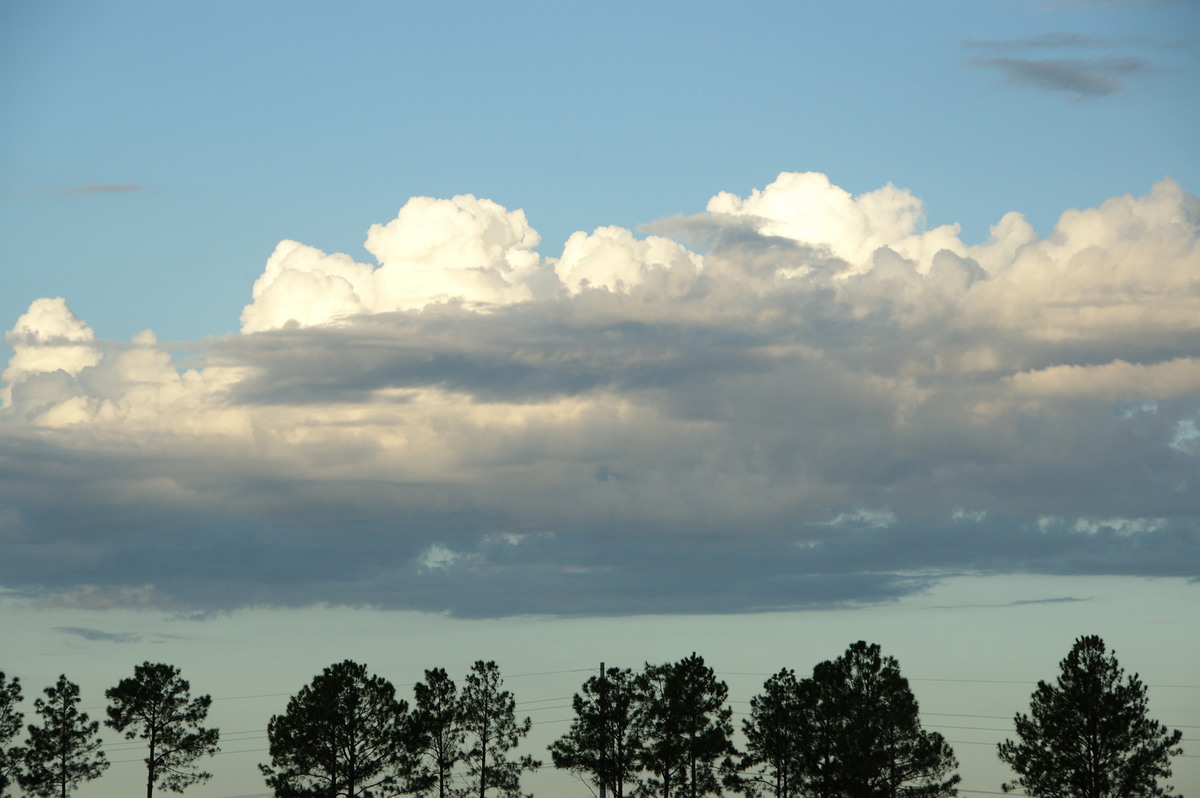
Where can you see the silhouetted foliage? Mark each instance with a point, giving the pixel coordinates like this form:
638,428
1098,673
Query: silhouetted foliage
603,743
685,727
1089,735
862,734
10,725
488,715
156,705
343,736
65,749
436,719
774,740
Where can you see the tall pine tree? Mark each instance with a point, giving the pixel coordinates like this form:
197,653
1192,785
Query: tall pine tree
775,743
1089,735
65,750
343,736
488,715
603,742
10,726
685,727
437,723
156,705
863,735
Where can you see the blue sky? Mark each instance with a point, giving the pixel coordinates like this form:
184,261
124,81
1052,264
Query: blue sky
662,315
263,121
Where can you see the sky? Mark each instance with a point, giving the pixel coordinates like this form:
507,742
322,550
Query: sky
680,327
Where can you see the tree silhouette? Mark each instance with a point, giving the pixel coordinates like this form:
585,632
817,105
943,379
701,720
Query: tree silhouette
685,727
1089,735
775,742
343,736
603,740
156,705
10,725
488,715
65,749
863,737
436,721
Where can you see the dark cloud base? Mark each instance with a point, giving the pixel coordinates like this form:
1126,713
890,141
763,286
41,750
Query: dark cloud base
594,572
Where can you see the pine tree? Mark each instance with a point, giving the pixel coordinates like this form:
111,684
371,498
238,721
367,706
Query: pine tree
488,715
863,733
343,736
603,740
1089,734
11,719
65,750
686,727
438,726
775,741
156,705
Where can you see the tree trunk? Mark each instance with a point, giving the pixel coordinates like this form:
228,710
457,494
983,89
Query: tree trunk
483,746
150,764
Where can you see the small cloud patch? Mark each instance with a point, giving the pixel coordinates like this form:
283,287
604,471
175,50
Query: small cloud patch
1082,78
105,188
1105,74
88,633
1021,603
438,557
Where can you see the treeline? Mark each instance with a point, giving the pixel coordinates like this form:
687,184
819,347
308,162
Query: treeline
850,730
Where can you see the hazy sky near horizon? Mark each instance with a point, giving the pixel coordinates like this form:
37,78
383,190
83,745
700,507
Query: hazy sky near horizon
972,648
596,311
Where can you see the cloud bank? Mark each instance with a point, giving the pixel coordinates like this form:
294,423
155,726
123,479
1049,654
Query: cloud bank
798,397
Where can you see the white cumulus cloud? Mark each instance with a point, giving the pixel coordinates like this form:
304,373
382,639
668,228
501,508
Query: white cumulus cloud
808,208
612,258
462,249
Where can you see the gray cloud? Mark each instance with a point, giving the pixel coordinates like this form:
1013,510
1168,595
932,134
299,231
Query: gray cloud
88,633
1085,3
798,423
105,188
1080,78
1021,603
1064,40
85,190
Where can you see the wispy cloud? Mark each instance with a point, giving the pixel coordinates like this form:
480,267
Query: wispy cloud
1062,40
105,188
1021,603
1080,78
85,190
1053,4
88,633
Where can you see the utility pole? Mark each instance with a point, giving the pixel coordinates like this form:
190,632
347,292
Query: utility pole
604,728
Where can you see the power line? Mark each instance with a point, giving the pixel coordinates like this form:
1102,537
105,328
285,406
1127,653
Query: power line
549,673
218,753
969,681
990,717
260,695
718,673
545,700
